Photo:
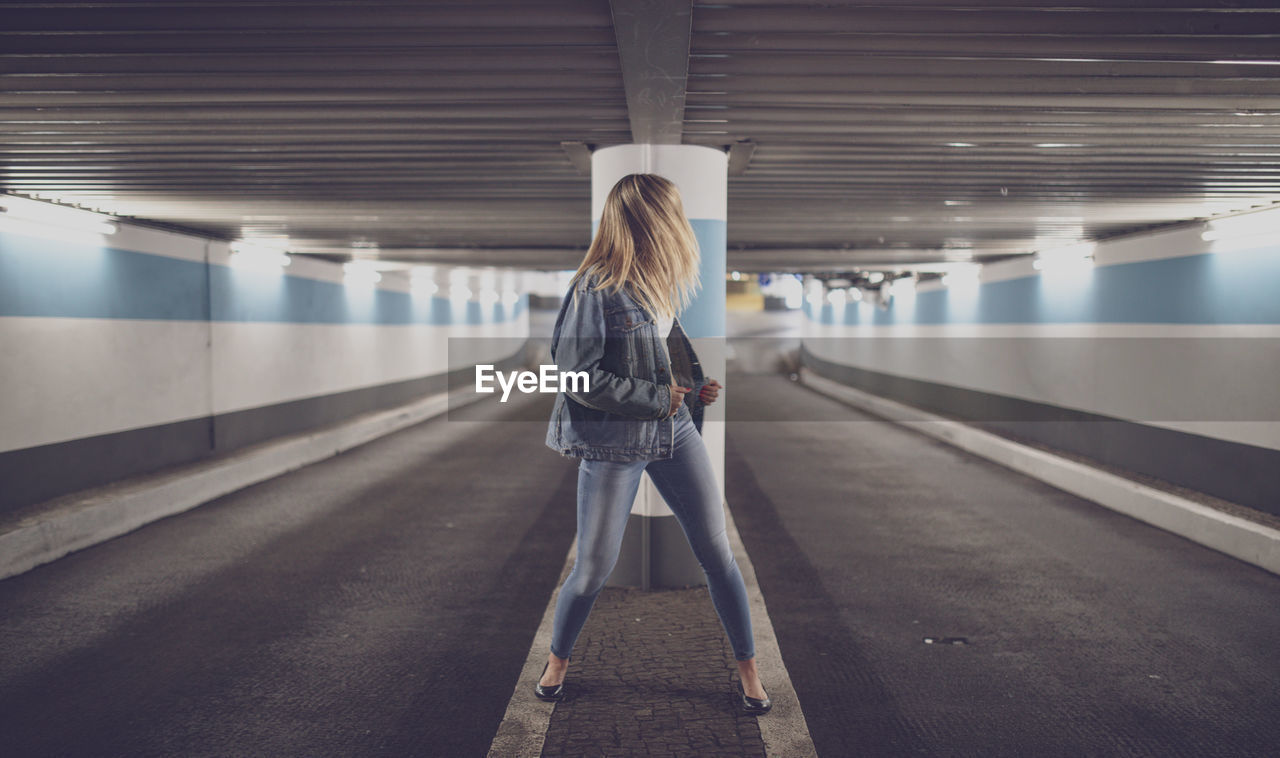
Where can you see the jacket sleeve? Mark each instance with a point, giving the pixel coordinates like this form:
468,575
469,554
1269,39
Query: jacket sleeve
581,348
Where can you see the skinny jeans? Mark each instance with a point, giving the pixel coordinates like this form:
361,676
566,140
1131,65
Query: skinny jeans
606,491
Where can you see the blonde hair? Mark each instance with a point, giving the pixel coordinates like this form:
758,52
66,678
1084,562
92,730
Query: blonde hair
645,242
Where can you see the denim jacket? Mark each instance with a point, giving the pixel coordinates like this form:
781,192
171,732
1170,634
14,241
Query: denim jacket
623,414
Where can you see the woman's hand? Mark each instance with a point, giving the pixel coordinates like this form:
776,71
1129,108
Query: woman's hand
677,397
710,391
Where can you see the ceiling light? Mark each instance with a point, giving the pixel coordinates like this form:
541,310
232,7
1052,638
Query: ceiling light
814,296
957,202
875,277
1073,257
360,272
1244,225
1249,230
253,255
422,280
961,144
904,289
1059,144
459,284
786,286
962,278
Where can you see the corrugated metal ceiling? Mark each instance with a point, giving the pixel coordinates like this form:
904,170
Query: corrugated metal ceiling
911,130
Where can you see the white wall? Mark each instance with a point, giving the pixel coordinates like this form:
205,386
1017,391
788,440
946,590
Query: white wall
1162,331
1161,359
146,329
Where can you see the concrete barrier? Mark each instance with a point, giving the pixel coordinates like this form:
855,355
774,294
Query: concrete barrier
88,517
1235,536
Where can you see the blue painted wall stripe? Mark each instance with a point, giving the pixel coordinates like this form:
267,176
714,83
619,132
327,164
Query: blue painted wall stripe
1241,287
40,277
705,316
45,278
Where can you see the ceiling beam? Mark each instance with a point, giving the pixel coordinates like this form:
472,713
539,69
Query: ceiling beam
579,154
653,46
772,259
740,154
836,259
548,258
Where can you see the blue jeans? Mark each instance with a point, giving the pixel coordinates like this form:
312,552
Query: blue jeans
606,490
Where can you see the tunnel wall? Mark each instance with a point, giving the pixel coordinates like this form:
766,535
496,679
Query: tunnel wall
150,350
1161,360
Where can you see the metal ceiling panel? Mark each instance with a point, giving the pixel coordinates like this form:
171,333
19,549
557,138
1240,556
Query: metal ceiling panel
424,126
959,130
904,131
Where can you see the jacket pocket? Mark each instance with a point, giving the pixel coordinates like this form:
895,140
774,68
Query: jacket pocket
625,319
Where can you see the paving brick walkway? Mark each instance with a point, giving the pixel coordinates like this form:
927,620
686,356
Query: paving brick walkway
652,675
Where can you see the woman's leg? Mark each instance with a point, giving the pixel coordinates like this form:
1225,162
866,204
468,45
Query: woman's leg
687,482
606,490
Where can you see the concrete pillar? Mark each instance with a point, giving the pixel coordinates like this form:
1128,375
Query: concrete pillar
655,552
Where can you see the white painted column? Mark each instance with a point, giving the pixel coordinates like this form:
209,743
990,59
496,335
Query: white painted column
655,552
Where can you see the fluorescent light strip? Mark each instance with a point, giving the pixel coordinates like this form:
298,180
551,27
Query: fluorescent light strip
360,272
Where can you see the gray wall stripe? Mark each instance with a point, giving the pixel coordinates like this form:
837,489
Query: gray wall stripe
1232,471
35,474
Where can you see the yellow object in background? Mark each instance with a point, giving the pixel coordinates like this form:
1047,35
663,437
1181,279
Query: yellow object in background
743,294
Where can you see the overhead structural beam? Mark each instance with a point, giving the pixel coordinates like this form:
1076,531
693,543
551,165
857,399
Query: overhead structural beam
548,258
770,259
820,259
653,46
739,156
579,155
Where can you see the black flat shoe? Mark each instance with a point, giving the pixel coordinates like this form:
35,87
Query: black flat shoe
753,706
548,693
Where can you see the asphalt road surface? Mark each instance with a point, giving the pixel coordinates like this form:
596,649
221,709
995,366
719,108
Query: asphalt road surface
381,602
1085,632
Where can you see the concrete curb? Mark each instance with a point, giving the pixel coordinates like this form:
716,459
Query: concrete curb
783,729
523,730
1237,537
86,518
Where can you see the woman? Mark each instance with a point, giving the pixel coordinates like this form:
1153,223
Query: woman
641,410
